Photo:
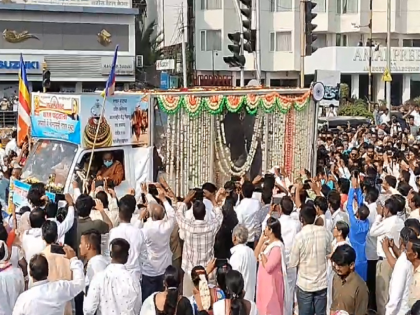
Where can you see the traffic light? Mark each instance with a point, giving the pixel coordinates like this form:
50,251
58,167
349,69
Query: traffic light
309,28
238,59
249,34
46,77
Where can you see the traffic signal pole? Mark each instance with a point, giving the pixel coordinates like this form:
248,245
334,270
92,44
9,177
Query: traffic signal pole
302,43
257,41
242,52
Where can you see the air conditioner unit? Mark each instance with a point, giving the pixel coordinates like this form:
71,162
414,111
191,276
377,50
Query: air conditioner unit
139,61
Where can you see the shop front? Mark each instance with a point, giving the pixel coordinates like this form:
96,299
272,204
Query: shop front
353,63
69,73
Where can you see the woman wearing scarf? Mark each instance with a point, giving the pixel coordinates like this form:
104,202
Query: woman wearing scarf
273,295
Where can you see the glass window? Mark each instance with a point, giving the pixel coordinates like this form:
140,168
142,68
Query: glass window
416,43
272,42
284,5
50,157
213,40
211,4
321,41
284,41
320,5
203,40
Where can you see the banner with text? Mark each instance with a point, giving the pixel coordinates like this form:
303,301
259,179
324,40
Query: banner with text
125,120
56,116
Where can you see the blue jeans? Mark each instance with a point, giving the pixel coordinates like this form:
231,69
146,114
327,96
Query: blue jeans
150,285
311,303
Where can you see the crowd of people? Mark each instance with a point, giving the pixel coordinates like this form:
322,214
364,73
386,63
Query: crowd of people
344,240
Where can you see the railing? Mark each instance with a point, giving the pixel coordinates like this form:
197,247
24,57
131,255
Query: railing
213,80
8,119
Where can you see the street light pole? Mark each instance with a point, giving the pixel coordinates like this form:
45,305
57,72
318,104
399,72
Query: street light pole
388,57
370,52
302,43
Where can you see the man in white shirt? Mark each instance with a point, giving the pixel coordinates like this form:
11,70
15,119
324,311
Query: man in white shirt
247,212
337,214
244,261
32,242
387,224
50,298
90,251
12,283
157,232
133,235
114,290
12,144
399,286
109,209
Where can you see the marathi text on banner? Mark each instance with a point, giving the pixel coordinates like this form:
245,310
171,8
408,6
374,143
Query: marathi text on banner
85,3
125,120
56,116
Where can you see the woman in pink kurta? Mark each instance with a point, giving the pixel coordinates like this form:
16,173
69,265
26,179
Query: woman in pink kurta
272,290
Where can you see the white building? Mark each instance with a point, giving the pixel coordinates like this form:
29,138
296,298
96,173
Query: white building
74,39
342,24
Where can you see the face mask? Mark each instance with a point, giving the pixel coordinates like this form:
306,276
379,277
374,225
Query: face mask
322,181
108,163
367,140
4,168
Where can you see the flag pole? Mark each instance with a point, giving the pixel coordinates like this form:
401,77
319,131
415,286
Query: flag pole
94,140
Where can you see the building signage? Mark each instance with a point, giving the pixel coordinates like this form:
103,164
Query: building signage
85,3
125,65
11,64
165,64
356,60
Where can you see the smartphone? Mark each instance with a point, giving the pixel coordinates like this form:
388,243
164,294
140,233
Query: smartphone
57,249
276,200
220,262
99,183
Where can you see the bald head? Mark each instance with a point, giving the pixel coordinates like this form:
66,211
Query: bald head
157,211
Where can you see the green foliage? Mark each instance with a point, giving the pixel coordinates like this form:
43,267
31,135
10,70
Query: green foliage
357,108
344,91
148,41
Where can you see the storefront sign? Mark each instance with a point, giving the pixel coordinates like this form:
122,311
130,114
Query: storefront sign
11,64
125,65
165,64
56,116
86,3
356,60
125,120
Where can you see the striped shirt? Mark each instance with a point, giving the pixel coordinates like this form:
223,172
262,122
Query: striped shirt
309,254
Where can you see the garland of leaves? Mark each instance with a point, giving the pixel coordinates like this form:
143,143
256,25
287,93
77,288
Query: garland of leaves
215,104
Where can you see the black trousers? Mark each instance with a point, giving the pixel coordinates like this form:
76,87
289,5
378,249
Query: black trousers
78,301
371,283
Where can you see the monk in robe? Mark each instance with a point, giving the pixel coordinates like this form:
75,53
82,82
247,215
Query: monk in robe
112,171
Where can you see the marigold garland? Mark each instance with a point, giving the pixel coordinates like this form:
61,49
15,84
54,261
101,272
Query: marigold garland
215,104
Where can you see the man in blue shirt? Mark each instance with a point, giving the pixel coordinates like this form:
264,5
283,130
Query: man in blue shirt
359,226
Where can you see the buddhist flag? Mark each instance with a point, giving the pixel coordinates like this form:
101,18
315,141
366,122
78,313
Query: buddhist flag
110,83
24,106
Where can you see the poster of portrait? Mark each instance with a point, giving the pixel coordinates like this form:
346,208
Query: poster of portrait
56,116
124,121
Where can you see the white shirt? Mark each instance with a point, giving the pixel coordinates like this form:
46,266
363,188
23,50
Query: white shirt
114,291
399,287
50,298
246,212
339,216
11,146
219,308
157,239
96,264
244,261
384,119
12,285
371,252
135,238
389,227
416,116
32,243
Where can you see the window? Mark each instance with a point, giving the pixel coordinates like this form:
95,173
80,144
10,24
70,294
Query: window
320,5
411,42
211,40
341,40
281,5
281,41
321,41
347,6
211,4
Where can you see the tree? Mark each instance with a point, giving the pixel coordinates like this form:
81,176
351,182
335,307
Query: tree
148,41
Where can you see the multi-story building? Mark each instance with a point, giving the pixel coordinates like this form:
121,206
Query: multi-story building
74,39
342,35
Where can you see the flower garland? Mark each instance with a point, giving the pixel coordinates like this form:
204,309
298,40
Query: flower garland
223,153
215,104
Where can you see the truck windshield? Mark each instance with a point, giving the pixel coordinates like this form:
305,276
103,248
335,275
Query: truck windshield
49,159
